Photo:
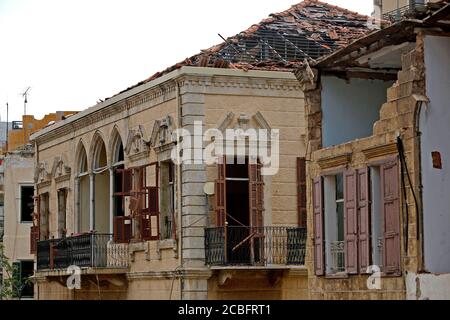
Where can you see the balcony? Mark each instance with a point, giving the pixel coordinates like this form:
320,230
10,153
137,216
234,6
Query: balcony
255,247
404,12
96,251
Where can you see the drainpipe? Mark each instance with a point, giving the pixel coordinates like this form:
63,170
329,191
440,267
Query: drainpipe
420,100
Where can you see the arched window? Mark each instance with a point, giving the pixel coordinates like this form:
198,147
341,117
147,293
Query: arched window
100,159
117,156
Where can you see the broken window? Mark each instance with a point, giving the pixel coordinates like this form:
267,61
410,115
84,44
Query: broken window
26,203
44,216
167,199
62,207
22,271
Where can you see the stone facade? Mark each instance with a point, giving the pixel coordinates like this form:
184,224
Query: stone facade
176,268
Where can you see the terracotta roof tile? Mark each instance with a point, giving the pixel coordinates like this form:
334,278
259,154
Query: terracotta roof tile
309,29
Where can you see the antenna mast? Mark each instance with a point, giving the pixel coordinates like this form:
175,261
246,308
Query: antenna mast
25,100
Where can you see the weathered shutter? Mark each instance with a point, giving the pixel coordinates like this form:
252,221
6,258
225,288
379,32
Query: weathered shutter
127,181
350,222
220,194
122,229
44,217
150,215
62,194
256,194
364,219
301,192
391,217
319,265
34,238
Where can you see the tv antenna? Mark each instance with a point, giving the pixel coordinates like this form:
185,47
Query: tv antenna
25,100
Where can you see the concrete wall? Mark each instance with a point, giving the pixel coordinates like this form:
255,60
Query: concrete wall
434,125
350,108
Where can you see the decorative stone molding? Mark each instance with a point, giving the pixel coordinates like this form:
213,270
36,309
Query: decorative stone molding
59,167
380,151
63,178
226,121
41,173
336,161
136,142
162,133
139,247
168,244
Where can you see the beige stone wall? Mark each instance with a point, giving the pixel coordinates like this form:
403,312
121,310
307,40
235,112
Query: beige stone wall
159,269
397,117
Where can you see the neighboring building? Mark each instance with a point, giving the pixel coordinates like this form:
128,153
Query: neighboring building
17,174
378,175
397,9
111,201
3,141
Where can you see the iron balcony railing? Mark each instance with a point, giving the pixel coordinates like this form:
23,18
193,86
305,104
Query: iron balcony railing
84,251
337,252
406,11
255,246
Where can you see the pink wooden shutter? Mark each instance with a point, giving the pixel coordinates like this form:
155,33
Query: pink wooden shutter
391,217
363,220
350,222
319,265
220,193
301,192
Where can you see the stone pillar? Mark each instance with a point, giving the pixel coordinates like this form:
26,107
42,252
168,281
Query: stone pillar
194,202
76,216
111,200
91,202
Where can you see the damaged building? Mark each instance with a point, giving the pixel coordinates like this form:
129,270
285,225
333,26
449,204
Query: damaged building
111,201
377,163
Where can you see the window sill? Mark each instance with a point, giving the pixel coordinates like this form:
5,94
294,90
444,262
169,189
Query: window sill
26,222
340,275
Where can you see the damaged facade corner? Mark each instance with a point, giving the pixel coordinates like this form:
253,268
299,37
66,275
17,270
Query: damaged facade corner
373,180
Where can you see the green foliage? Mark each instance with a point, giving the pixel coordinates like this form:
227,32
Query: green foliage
12,283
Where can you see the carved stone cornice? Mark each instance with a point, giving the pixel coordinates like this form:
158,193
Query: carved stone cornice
62,178
335,161
380,151
44,184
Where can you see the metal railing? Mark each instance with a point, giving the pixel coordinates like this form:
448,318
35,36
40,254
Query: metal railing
254,246
84,251
337,253
406,11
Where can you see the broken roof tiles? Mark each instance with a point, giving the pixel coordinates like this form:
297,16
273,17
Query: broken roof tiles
310,29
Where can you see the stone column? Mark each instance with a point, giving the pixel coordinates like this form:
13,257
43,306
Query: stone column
193,201
92,201
111,200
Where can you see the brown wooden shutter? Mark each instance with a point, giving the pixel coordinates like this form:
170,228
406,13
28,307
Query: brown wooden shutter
350,222
34,238
319,263
256,194
149,217
391,217
364,220
301,192
220,194
122,229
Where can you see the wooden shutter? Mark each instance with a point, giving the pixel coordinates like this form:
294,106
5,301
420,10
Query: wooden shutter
256,194
350,222
150,215
122,229
391,217
301,192
62,196
34,238
364,219
220,194
319,265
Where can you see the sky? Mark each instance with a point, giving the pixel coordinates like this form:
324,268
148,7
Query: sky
74,52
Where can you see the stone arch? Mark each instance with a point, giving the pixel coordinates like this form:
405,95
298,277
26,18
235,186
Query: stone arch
99,155
81,159
116,147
